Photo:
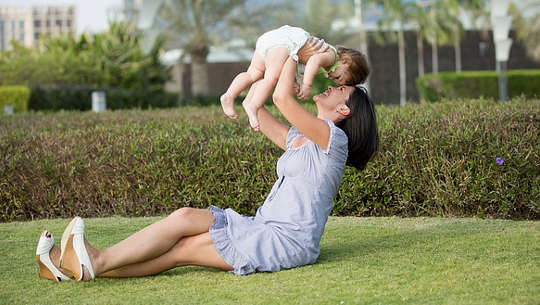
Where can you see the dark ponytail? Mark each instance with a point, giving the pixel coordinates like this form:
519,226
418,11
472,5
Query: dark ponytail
360,126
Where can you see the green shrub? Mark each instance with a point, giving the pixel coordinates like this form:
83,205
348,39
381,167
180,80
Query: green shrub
80,98
435,160
475,84
16,96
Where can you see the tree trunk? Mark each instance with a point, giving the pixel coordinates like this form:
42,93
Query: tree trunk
420,47
435,57
457,50
363,36
402,75
199,74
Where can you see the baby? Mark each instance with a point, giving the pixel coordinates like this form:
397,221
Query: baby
343,65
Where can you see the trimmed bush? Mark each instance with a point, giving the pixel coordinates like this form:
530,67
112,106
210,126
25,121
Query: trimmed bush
16,96
475,84
74,97
435,160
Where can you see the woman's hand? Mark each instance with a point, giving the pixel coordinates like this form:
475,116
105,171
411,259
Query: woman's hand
312,46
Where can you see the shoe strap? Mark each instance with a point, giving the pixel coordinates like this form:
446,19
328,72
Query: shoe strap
45,245
46,260
78,227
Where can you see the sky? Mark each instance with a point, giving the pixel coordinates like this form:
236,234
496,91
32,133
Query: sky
91,14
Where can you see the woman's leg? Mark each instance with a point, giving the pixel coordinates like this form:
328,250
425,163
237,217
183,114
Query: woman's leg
241,82
192,250
152,241
274,61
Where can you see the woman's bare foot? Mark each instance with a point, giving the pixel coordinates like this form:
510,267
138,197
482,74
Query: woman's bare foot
227,103
93,255
54,254
251,111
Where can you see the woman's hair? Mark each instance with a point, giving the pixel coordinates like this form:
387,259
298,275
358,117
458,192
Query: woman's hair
360,126
358,66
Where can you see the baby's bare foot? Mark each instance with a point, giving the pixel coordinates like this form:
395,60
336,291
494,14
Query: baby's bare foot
251,111
227,103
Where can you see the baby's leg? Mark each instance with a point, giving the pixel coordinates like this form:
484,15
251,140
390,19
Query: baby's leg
241,82
274,61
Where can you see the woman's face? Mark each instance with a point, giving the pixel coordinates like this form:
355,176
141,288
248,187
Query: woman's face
331,104
333,96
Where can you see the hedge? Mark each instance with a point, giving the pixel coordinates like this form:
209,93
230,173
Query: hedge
435,160
16,96
73,97
476,84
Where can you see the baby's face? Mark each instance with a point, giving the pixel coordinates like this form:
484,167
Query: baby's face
341,74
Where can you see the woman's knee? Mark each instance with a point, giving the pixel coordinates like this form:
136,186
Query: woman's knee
182,213
191,220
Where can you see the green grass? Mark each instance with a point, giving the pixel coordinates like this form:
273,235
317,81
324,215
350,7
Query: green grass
363,261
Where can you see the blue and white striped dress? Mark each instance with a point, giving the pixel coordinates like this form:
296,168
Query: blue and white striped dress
287,229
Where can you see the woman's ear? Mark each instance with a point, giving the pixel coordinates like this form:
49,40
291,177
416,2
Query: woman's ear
343,110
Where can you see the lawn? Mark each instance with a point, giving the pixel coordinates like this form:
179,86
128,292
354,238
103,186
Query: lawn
363,261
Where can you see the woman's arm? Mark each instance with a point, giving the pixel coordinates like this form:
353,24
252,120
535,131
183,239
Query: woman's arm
272,128
312,127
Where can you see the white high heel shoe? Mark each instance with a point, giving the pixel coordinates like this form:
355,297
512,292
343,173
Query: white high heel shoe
74,254
47,270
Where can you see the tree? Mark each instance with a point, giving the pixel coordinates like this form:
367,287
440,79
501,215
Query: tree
477,11
111,59
195,25
527,30
423,22
451,25
397,14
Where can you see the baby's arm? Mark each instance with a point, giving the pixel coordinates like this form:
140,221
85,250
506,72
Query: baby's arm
313,65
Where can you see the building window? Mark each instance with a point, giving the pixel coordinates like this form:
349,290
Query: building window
37,23
68,23
58,22
36,36
21,38
21,25
48,23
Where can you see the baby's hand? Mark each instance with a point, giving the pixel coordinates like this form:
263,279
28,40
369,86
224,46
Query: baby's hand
305,92
296,88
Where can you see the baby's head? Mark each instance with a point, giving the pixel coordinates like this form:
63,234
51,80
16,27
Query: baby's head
352,67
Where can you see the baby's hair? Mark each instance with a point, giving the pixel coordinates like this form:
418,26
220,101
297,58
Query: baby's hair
358,66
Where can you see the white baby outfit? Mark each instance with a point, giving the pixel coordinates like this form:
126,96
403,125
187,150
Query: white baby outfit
289,37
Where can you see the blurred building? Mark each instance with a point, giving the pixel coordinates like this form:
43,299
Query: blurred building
25,24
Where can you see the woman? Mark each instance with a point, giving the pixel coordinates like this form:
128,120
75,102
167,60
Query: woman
286,230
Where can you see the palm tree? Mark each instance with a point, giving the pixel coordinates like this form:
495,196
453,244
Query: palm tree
476,9
397,14
527,29
452,27
195,25
423,22
317,17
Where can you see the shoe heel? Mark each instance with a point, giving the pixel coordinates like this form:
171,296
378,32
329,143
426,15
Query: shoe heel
43,271
65,237
70,262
